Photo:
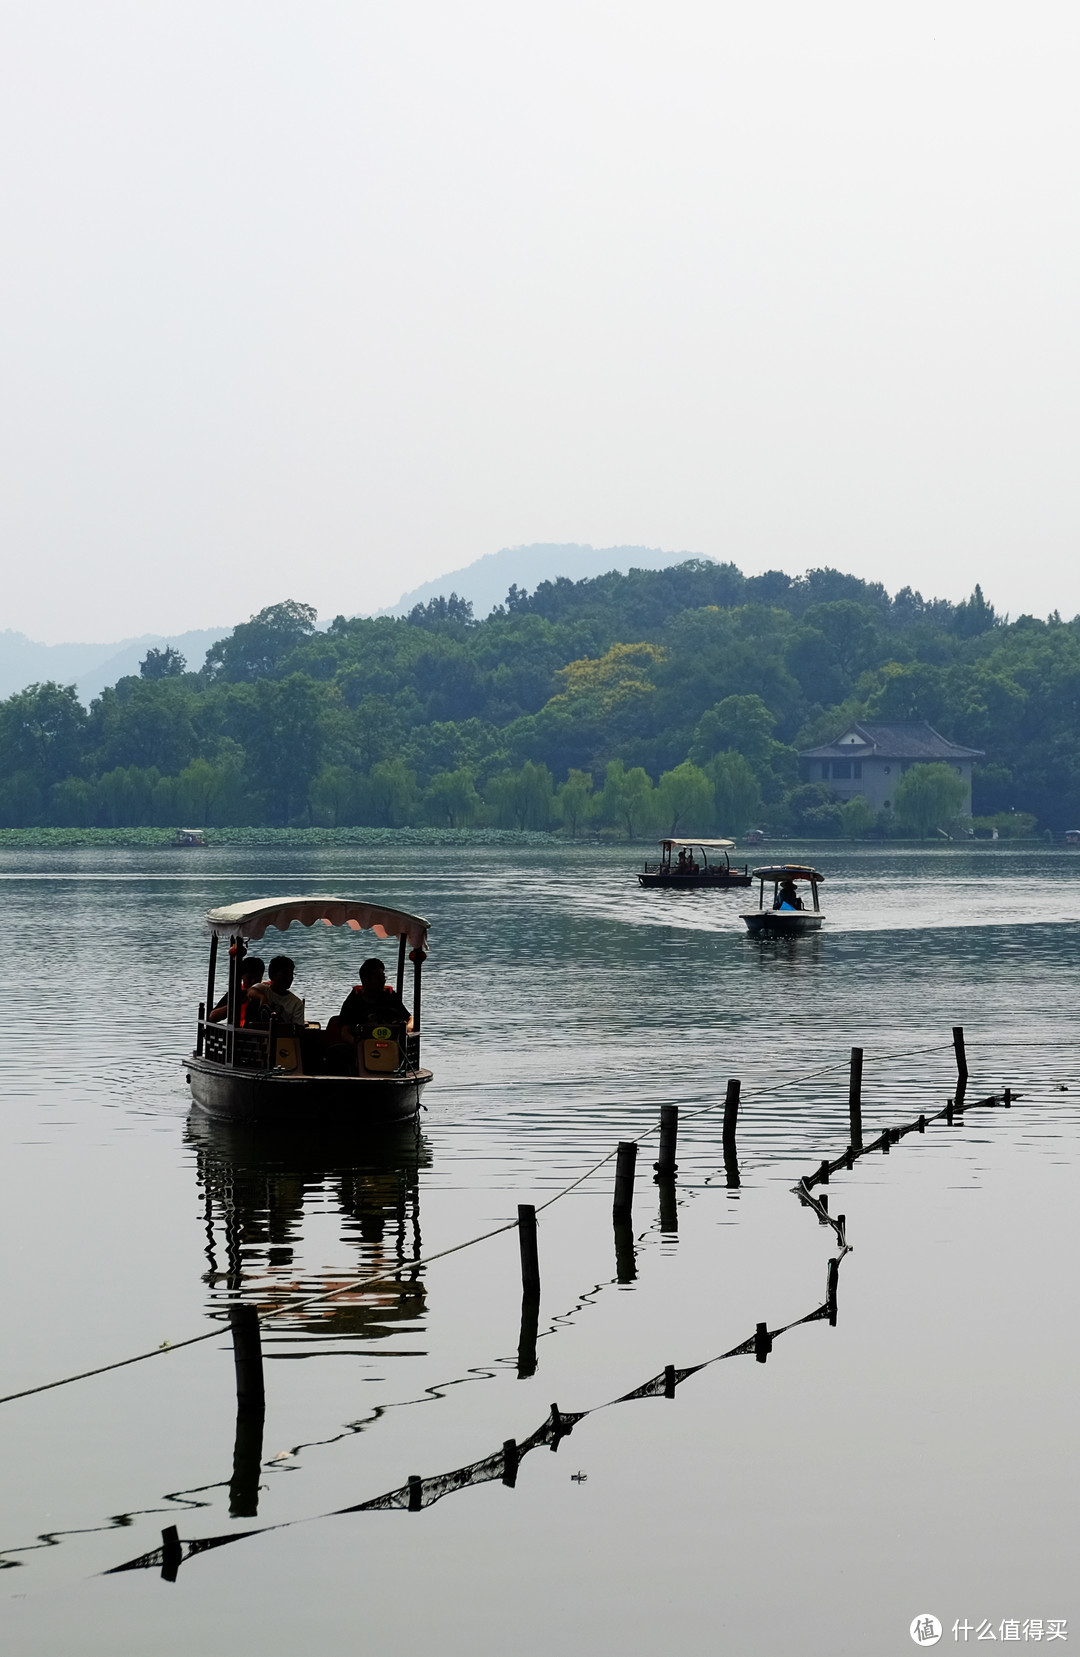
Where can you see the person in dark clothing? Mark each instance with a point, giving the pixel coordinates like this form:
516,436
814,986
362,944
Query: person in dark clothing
787,896
251,972
372,1001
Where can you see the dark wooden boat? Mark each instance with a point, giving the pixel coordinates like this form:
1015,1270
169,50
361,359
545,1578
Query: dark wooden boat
246,1073
783,918
685,873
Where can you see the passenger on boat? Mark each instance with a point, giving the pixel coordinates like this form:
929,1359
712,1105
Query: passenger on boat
250,974
275,999
372,1001
787,896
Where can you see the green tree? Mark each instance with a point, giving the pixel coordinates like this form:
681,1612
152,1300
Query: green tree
685,800
451,800
162,664
390,795
42,730
522,799
928,797
736,793
333,796
575,802
628,799
259,648
857,816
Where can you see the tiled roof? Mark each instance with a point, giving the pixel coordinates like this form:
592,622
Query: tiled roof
911,742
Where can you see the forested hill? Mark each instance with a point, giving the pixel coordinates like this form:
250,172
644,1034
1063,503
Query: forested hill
674,699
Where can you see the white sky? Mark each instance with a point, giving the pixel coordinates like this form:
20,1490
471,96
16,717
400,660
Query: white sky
321,299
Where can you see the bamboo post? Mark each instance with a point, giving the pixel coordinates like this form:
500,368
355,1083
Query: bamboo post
247,1352
416,1493
961,1054
823,1205
855,1099
625,1165
823,1173
510,1462
530,1259
666,1166
731,1112
669,1380
922,1124
762,1342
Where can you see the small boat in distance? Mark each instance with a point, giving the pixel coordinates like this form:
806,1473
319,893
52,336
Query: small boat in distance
190,838
785,916
686,871
294,1076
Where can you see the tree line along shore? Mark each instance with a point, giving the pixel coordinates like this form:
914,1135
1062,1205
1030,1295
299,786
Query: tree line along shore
670,701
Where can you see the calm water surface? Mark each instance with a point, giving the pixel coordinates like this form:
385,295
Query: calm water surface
921,1456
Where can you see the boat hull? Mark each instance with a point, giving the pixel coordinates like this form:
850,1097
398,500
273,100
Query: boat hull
680,883
340,1101
783,923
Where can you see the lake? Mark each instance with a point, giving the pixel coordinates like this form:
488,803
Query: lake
920,1457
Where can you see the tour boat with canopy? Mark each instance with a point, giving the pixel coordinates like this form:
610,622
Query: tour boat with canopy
686,870
278,1073
786,915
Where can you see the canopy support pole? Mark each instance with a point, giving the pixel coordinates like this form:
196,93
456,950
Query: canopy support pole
401,945
236,962
418,962
210,974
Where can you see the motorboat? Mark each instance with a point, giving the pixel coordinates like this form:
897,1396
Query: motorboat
786,915
279,1073
686,870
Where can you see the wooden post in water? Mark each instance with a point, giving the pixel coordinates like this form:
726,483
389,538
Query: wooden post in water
855,1099
669,1380
666,1166
823,1204
731,1169
830,1292
530,1259
731,1113
922,1124
510,1462
247,1352
416,1493
961,1062
625,1165
762,1342
823,1174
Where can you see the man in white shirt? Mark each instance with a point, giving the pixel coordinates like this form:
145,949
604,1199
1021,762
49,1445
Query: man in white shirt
276,997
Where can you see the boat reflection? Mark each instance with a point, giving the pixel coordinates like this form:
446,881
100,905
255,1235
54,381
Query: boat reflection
266,1195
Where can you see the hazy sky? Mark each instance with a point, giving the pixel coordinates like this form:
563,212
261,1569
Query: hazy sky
320,299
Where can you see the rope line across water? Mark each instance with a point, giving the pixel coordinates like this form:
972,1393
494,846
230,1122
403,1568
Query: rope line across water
470,1242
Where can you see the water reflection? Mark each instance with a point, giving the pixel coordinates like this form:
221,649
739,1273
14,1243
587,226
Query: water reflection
259,1187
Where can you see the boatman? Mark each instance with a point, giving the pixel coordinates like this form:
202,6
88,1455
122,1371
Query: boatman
372,1001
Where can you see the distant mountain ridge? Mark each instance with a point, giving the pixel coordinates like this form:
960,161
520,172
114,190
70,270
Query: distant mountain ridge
90,667
487,581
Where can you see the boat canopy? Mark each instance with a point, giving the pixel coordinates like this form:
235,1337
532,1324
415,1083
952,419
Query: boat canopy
786,871
251,920
706,845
